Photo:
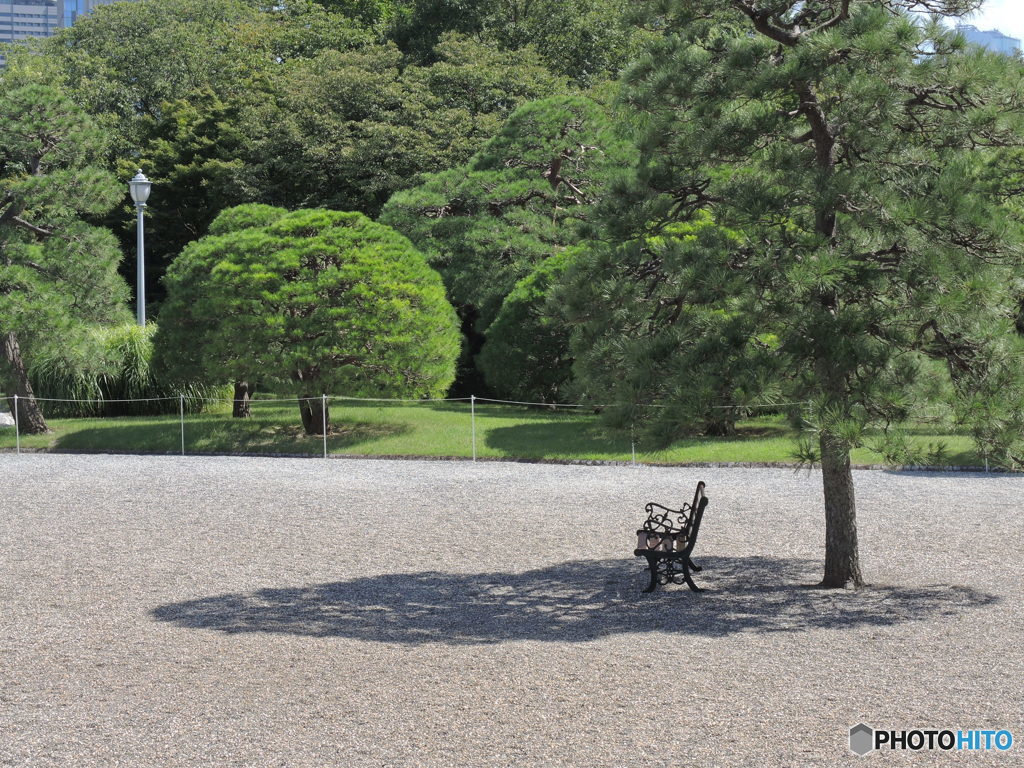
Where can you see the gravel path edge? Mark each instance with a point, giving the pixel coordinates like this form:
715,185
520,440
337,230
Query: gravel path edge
526,460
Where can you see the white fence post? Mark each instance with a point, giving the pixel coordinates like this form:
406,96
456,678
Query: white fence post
181,411
323,412
472,416
17,428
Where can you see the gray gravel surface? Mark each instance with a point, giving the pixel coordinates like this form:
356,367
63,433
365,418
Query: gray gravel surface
166,611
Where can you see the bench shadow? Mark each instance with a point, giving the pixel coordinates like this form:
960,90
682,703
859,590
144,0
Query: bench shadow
575,601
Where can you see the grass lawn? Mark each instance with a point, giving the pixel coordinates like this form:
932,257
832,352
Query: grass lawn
435,429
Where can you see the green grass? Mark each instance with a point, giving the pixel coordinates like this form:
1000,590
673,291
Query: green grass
436,429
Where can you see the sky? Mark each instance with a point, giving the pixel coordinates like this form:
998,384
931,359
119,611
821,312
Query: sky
1005,15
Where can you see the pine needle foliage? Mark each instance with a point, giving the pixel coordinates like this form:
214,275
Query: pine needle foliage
57,272
520,201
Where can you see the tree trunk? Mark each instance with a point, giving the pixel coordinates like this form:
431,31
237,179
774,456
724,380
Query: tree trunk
315,414
240,408
842,562
30,417
720,427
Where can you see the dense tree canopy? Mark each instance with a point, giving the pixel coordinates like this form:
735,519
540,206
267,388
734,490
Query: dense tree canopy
520,200
127,60
222,102
347,129
655,336
527,352
194,154
862,155
170,83
586,40
320,301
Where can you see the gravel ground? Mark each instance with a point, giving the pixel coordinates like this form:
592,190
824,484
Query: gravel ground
165,611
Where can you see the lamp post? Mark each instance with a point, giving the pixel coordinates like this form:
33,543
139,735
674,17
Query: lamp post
139,187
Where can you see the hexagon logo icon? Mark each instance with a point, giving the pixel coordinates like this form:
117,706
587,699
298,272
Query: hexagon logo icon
862,739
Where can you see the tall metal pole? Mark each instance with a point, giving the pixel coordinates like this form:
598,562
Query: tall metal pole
140,269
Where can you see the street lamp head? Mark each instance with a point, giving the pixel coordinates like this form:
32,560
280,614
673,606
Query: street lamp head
140,187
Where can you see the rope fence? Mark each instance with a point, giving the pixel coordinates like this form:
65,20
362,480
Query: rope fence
325,401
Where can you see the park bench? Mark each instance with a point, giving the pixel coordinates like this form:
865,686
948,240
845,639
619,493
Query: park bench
667,540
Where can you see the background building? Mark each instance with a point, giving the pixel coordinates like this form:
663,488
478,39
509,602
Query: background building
75,8
993,39
30,18
40,18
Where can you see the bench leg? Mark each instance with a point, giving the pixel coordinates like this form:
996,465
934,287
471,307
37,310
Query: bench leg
688,578
653,561
652,566
694,567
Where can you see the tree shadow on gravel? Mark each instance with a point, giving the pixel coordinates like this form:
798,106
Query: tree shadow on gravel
574,601
219,433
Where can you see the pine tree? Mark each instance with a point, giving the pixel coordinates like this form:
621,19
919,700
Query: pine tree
868,160
314,300
57,273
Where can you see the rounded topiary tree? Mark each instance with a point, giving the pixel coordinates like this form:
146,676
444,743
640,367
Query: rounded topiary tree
180,350
324,300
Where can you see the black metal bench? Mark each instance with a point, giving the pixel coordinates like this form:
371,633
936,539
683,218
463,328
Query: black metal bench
667,540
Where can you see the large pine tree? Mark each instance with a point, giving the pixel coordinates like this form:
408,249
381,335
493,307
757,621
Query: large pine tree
858,164
57,272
